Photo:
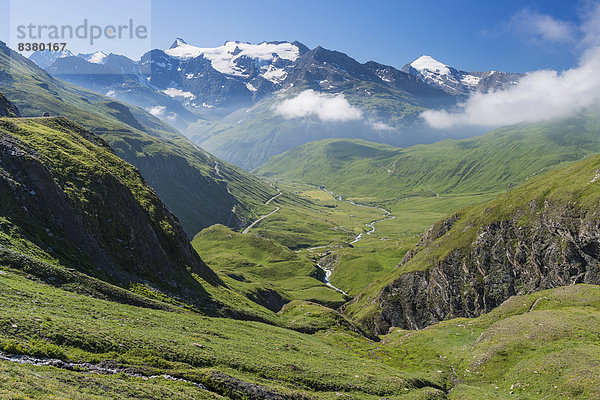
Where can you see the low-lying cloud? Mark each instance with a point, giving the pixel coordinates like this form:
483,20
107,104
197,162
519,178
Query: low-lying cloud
161,112
157,111
539,95
327,107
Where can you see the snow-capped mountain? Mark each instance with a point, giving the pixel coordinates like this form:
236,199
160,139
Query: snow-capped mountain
456,82
225,97
44,59
267,59
95,58
178,83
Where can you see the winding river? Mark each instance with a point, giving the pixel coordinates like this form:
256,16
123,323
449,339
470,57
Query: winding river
386,216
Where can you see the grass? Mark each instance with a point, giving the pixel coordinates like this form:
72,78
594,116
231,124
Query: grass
310,217
376,255
484,164
572,190
542,345
179,343
312,222
254,266
570,187
67,176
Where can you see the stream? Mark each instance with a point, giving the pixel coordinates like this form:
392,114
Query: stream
387,215
86,367
328,273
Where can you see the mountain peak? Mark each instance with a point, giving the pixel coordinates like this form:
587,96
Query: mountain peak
429,63
178,42
95,58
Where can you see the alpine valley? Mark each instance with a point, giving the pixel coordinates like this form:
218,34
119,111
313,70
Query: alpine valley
270,221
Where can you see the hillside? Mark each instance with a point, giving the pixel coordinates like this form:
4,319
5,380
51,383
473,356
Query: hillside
55,343
70,204
101,349
489,163
539,346
541,235
185,176
264,270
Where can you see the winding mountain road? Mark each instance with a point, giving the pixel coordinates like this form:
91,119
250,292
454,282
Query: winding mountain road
231,199
277,208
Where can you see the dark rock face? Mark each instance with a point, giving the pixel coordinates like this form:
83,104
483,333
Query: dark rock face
7,109
236,388
560,246
268,298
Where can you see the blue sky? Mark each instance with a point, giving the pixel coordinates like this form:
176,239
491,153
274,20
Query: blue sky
509,35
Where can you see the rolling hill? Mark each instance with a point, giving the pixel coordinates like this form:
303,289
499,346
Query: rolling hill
493,162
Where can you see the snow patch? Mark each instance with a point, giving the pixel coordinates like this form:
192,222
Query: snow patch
274,74
428,63
470,80
223,58
95,58
172,92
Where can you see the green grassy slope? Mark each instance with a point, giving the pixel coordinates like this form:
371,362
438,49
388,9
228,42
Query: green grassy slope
263,269
488,163
230,358
542,233
181,173
540,346
69,203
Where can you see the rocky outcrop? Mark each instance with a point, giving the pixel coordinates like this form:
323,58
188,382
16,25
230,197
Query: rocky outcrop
543,246
7,109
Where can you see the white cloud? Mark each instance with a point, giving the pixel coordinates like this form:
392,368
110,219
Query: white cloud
157,111
541,27
590,27
327,107
539,95
380,126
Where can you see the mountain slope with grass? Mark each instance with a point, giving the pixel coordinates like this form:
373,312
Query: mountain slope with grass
185,176
264,270
69,203
543,345
541,235
492,162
